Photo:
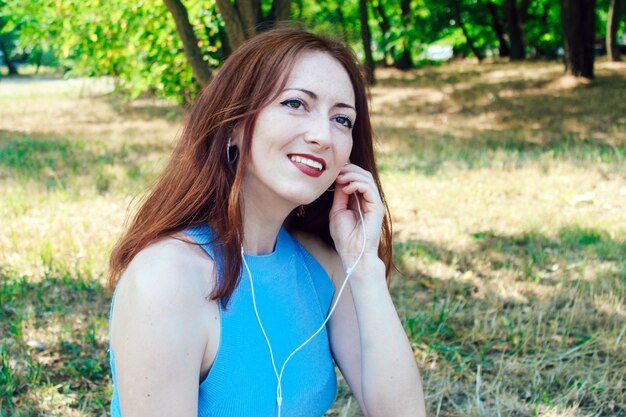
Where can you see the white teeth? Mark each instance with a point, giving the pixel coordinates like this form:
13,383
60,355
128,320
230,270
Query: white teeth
307,161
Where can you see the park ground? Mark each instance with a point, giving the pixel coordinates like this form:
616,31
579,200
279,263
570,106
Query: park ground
506,184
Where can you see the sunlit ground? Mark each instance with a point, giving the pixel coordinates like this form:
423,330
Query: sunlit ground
507,186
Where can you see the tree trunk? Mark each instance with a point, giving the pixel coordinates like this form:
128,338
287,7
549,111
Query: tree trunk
280,11
249,14
385,28
612,24
498,28
468,38
367,41
7,57
201,70
523,12
244,18
232,23
226,48
578,33
38,58
515,31
404,62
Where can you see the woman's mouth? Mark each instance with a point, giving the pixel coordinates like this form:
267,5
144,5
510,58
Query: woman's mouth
308,164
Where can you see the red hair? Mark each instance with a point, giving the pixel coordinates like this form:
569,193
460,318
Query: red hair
198,185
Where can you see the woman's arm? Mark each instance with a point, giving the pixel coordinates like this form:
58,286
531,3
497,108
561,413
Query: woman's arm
367,338
371,348
158,332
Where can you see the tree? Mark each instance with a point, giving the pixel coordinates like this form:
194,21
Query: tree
516,37
459,19
244,18
201,70
612,24
498,28
404,61
579,31
7,39
543,28
385,28
367,41
6,49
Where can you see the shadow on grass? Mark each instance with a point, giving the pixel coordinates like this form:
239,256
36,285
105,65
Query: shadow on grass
431,76
145,108
593,108
529,255
54,161
428,150
532,350
471,118
54,346
533,252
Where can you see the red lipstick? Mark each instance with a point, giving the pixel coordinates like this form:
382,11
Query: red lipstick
307,169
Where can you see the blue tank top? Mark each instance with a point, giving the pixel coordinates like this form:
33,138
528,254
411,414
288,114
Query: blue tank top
293,295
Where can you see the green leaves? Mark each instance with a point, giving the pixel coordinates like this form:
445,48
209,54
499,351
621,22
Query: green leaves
135,41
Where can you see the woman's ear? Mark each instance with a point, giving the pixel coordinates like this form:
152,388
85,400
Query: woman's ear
236,135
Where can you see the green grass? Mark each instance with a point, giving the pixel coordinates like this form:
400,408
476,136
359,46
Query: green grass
553,339
60,163
54,349
494,152
507,188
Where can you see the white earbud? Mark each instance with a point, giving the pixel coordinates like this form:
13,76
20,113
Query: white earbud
279,375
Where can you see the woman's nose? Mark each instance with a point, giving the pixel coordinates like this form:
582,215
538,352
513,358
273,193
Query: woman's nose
318,132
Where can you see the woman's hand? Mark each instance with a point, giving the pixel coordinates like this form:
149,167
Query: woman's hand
345,222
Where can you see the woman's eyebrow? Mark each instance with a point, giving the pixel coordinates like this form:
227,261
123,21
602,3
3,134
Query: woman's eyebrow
314,96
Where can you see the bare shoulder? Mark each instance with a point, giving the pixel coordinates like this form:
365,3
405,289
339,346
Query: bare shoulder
161,328
169,267
326,255
170,279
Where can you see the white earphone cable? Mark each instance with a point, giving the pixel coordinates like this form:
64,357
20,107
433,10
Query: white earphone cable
279,376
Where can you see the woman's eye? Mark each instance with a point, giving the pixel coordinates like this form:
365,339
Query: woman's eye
293,103
344,121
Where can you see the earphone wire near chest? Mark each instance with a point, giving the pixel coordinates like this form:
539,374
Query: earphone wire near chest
279,375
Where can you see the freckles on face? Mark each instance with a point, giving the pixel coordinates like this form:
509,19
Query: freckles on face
319,92
303,138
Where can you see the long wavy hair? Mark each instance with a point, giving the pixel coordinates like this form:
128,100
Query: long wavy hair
199,186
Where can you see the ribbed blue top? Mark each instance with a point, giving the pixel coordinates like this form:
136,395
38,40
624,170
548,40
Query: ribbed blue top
293,295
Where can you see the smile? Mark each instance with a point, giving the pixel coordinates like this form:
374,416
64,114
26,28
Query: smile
309,164
306,161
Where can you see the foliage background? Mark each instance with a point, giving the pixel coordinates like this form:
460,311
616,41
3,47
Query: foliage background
136,41
506,182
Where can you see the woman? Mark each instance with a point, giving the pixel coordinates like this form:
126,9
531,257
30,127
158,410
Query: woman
234,258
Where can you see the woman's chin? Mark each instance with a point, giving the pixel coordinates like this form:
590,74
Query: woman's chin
303,197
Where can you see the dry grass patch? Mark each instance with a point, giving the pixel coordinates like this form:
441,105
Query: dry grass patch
507,186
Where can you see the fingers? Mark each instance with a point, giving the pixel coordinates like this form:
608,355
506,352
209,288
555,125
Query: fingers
340,198
355,179
355,169
360,184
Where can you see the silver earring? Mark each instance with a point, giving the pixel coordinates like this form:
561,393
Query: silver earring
229,159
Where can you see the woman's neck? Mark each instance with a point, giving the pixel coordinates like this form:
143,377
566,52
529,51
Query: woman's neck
262,222
260,240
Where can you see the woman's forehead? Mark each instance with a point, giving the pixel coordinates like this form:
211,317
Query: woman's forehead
323,75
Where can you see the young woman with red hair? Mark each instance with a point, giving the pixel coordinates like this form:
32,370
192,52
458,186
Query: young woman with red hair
228,272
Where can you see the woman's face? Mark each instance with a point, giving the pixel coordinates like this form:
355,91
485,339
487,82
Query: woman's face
303,138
